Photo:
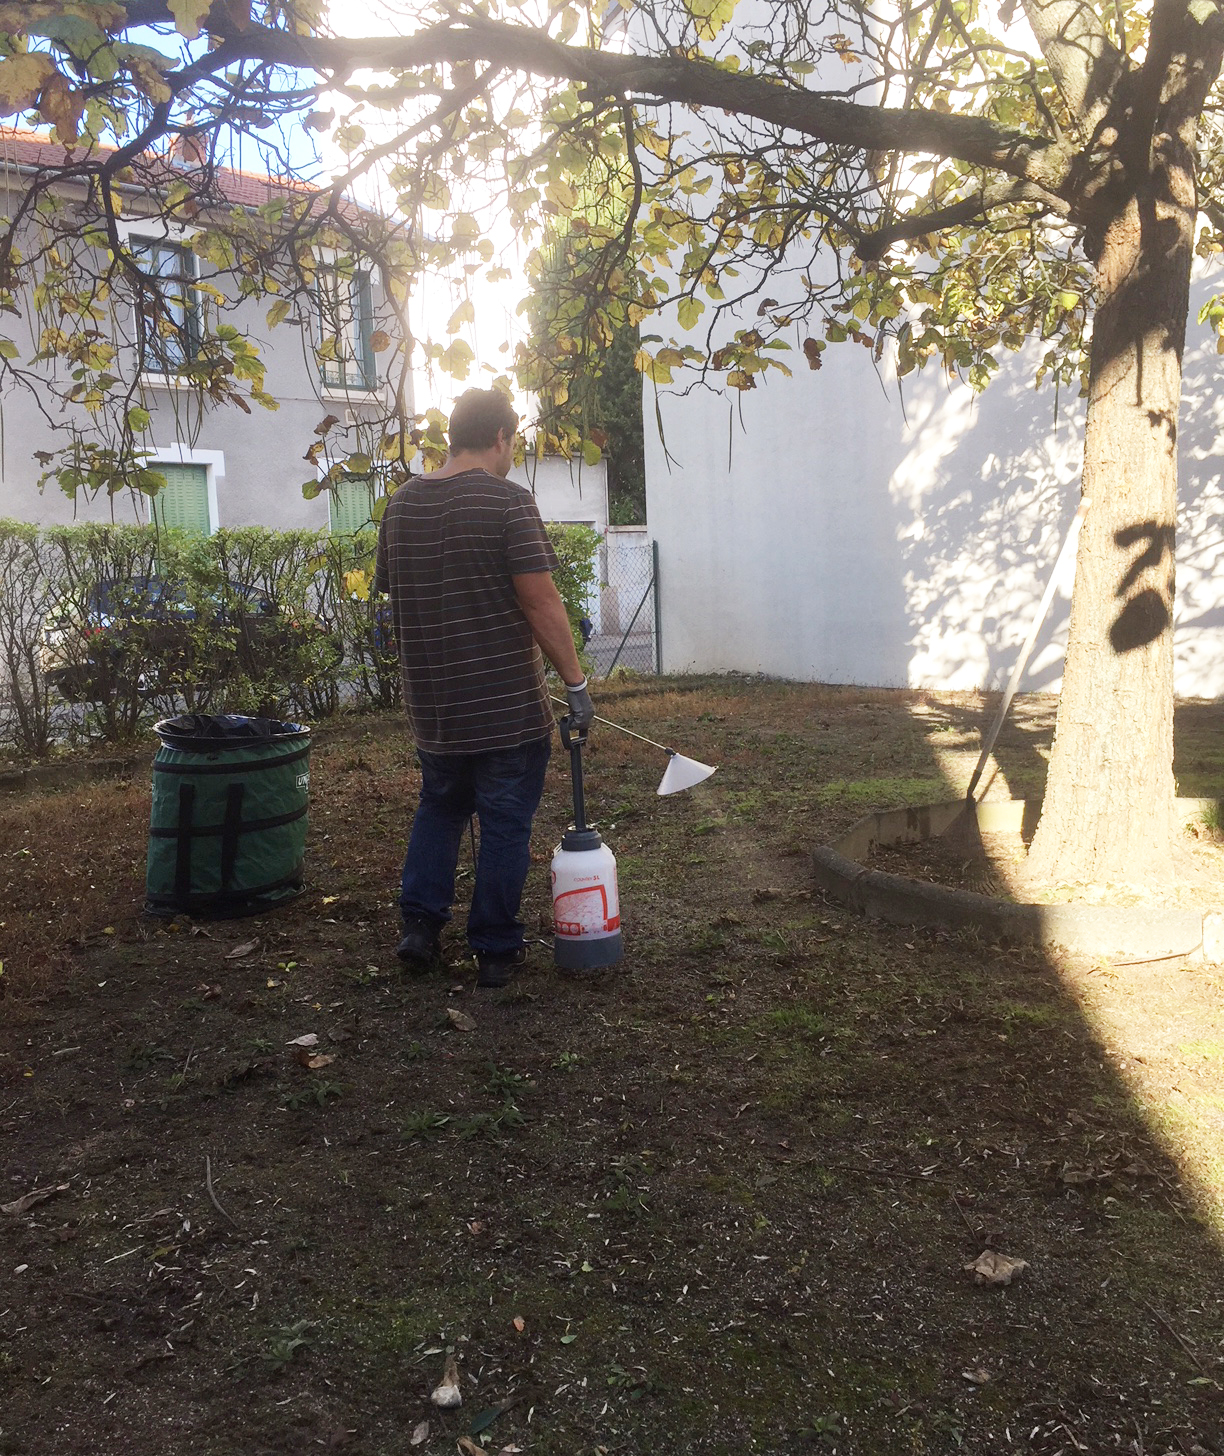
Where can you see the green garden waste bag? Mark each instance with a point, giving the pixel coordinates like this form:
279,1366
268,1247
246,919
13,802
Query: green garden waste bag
228,828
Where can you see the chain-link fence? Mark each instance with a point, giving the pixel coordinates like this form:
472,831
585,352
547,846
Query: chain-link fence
625,627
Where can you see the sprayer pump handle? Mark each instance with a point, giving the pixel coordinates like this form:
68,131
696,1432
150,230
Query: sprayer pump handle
571,737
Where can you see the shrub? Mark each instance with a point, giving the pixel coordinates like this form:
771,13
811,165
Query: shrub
25,709
576,575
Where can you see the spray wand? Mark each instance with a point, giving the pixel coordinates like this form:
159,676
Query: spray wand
681,773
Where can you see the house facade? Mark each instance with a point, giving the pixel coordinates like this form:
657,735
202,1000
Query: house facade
223,467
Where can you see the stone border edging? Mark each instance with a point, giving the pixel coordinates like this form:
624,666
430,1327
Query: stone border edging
66,775
1138,932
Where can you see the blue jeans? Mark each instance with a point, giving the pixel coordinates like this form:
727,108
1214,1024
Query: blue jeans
503,789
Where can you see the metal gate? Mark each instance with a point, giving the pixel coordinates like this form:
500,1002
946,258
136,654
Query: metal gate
626,629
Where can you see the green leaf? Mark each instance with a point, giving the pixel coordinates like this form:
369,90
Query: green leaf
484,1420
138,419
689,311
591,453
8,350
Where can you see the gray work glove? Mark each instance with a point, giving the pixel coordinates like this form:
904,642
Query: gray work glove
582,710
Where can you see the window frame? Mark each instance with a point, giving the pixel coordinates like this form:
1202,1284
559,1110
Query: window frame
152,346
334,372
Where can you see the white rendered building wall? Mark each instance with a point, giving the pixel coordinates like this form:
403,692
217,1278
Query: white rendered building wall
855,530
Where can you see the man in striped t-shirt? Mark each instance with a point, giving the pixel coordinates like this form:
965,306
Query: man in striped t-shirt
464,558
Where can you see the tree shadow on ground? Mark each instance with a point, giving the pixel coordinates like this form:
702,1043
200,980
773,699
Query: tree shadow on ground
718,1201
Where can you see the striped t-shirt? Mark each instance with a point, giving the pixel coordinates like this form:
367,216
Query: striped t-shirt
447,549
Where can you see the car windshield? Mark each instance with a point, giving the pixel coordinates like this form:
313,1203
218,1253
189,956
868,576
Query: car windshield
140,595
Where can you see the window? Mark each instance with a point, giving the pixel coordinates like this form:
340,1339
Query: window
346,328
168,322
182,503
351,506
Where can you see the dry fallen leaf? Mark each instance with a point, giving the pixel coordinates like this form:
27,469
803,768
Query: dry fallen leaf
312,1061
420,1434
520,1324
1076,1175
447,1393
309,1040
460,1020
207,992
248,947
470,1448
35,1196
992,1268
979,1375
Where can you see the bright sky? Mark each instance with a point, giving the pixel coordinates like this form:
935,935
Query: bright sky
496,327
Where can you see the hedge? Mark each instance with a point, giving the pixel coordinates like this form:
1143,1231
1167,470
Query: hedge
132,623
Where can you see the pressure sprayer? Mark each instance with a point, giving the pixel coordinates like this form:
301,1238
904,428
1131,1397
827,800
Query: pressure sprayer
586,904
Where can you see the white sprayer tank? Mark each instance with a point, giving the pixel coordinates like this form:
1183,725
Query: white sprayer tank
586,904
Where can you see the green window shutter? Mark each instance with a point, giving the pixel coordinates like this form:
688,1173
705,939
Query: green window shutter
350,503
364,308
182,504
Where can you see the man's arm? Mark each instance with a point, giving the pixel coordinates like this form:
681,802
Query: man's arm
546,616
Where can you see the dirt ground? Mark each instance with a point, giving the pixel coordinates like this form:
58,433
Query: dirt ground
719,1200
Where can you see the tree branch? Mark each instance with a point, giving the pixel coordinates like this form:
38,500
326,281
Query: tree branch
974,140
1084,62
872,246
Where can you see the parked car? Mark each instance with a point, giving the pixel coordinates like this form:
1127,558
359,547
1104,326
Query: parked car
93,648
140,636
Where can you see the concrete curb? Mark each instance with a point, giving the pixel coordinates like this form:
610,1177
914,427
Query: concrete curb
1135,932
68,775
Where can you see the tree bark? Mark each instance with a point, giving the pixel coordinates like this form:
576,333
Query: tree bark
1108,810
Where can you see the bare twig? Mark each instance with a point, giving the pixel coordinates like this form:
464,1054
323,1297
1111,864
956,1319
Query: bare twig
208,1184
1169,1330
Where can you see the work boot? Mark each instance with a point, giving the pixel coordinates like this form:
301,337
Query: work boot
494,971
420,947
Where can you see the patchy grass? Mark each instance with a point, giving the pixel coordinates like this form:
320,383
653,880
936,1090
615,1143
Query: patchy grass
716,1201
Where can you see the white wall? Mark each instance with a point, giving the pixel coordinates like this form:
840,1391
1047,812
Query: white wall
901,535
566,490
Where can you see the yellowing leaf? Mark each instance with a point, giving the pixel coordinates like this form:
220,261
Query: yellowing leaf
710,16
464,314
457,359
149,79
435,194
357,585
188,14
653,369
278,312
22,77
62,105
591,453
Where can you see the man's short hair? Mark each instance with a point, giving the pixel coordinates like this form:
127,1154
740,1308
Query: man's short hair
478,417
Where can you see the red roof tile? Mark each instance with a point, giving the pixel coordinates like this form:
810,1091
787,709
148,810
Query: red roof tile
246,189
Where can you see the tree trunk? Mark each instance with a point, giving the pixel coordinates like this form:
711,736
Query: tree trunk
1108,810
